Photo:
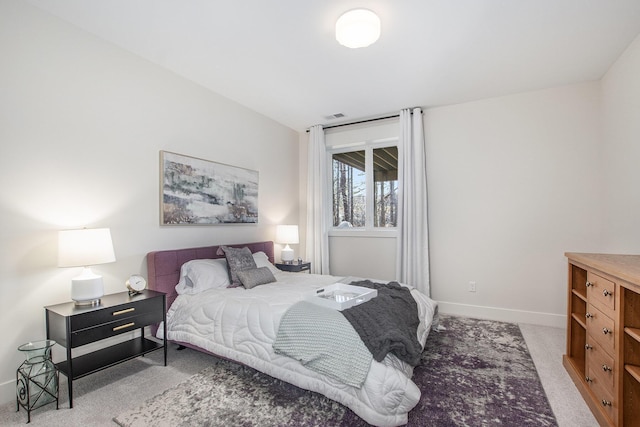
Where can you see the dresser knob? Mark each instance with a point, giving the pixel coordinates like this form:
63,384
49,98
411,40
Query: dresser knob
588,346
588,379
606,368
588,284
606,331
606,293
606,403
589,315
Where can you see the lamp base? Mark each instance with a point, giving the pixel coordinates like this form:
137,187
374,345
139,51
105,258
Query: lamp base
87,288
88,303
287,255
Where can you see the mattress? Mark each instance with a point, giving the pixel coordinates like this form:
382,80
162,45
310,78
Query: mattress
241,324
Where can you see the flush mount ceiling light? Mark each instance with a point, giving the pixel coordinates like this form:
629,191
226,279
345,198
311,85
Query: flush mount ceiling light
358,28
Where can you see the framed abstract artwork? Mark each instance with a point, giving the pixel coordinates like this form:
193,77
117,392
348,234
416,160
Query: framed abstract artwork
195,191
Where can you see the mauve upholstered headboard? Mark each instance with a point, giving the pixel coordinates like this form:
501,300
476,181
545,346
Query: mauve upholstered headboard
164,266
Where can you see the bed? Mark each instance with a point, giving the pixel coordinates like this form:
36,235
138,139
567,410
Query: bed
242,325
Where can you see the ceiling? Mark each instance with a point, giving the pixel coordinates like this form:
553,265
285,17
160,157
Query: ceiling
280,58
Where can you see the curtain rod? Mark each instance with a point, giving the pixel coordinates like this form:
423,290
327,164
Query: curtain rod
359,121
393,116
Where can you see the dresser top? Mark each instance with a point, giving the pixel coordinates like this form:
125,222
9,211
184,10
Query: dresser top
625,267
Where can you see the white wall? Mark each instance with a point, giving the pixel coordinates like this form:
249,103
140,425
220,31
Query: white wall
621,153
363,256
81,126
513,183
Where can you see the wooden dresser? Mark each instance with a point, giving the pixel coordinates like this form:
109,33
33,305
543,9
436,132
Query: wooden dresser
603,335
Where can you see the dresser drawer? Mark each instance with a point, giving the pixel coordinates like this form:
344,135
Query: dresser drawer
115,313
600,328
604,397
120,326
600,292
601,366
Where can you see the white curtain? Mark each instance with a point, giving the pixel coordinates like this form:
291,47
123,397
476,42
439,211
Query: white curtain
413,234
317,187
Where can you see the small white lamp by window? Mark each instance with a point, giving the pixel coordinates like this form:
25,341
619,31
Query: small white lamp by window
287,234
358,28
83,248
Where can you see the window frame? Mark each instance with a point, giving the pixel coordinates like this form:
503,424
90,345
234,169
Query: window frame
368,230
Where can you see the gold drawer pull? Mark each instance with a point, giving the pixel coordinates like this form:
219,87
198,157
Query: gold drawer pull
607,293
127,310
606,403
588,284
117,328
606,368
588,315
588,346
588,379
606,331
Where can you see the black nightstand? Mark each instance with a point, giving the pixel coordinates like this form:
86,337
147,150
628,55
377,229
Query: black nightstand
295,267
72,326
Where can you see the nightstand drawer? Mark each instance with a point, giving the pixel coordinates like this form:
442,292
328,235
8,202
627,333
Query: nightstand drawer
116,313
106,330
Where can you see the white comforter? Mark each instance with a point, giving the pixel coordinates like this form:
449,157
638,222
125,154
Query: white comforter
241,324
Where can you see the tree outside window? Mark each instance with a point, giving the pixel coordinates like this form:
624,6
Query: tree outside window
385,180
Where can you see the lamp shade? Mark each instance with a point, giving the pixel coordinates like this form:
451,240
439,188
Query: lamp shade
80,248
287,234
358,28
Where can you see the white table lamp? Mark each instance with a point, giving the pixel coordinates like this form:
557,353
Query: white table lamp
287,234
83,248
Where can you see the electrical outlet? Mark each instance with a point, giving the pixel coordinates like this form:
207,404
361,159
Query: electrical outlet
472,286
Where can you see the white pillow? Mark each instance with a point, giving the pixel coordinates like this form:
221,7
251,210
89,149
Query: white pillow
262,260
201,274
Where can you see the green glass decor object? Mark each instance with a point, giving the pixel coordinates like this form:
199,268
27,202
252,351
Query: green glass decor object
37,377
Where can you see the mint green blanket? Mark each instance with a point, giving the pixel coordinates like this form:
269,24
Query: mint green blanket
323,341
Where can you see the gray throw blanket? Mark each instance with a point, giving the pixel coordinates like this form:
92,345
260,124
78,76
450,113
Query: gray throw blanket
388,322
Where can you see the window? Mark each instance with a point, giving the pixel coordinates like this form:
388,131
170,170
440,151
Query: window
349,189
385,181
365,186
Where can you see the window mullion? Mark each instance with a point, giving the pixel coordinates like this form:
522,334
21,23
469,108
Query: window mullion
368,161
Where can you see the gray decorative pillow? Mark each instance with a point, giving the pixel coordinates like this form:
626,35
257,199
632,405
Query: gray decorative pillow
238,260
257,276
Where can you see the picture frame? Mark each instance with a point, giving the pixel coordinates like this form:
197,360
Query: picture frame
196,191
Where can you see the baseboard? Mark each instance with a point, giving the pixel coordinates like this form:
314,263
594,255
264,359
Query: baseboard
503,314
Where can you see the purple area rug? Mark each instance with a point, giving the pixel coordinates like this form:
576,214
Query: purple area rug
475,373
479,373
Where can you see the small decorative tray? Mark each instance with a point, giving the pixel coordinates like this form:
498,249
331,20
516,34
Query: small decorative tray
340,296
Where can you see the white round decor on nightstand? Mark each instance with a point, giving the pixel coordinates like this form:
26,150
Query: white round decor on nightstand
136,283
